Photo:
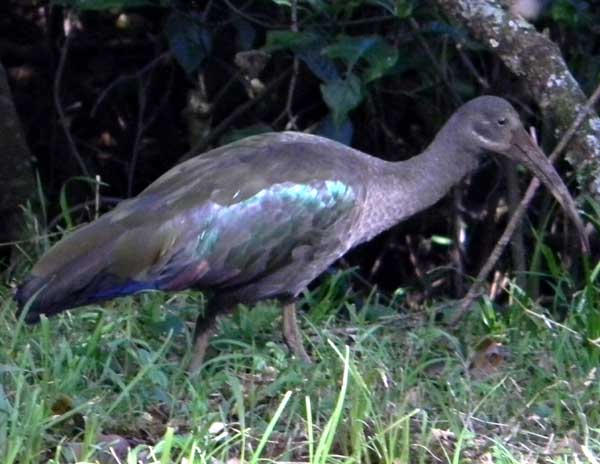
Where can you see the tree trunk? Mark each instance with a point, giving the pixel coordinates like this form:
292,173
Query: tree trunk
16,177
539,63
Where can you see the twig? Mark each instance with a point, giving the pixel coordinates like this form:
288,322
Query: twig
223,125
436,64
136,75
138,133
97,197
471,67
378,261
59,108
206,11
82,206
250,18
142,126
372,20
163,101
235,76
295,70
458,250
35,238
517,245
414,260
516,218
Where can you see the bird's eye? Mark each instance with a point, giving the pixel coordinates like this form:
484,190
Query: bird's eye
501,121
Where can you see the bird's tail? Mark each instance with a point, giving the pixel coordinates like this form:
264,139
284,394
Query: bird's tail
80,269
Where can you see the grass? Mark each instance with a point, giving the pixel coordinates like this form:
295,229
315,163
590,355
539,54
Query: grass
386,387
108,384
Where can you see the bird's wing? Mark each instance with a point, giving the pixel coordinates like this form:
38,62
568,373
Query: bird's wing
233,245
220,219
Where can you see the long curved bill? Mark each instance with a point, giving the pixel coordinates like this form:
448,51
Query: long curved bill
525,151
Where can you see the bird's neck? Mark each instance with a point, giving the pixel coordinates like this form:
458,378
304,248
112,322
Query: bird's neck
432,173
400,189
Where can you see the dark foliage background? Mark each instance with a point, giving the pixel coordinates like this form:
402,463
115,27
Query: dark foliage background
139,85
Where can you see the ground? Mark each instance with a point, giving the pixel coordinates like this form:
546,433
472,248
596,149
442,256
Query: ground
387,385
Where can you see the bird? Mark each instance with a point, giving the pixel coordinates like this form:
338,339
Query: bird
262,217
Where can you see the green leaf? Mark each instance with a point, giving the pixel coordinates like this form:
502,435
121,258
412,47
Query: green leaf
388,5
290,40
109,4
378,55
381,58
307,46
563,12
404,9
189,41
319,6
321,66
569,12
63,201
399,8
441,240
350,49
342,96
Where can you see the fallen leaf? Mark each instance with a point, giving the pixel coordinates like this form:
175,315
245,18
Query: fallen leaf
489,359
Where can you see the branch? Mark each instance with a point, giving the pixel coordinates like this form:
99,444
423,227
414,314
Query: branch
538,62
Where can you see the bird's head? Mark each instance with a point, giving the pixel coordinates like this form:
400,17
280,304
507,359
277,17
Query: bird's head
491,124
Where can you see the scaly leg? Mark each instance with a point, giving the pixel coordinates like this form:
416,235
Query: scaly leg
291,333
206,326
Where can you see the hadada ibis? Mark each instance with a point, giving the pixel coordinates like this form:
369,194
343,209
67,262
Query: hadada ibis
262,217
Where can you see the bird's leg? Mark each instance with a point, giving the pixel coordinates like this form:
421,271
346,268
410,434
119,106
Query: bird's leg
206,326
291,333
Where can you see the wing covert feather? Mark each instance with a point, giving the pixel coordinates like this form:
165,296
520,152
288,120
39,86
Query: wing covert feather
239,243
